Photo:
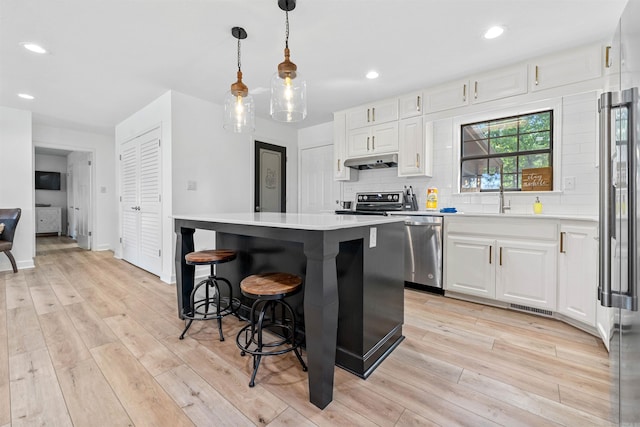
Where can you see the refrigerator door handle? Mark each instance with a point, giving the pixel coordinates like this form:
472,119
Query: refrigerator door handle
607,198
629,300
607,211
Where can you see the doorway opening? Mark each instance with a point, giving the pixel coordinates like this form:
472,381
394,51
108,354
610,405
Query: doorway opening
270,178
66,211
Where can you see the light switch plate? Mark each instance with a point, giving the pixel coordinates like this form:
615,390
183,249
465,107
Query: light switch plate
373,237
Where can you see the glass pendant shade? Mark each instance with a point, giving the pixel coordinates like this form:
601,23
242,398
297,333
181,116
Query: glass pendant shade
288,98
239,109
239,113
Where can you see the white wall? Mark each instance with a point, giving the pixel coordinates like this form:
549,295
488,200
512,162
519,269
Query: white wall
49,163
17,181
221,164
103,219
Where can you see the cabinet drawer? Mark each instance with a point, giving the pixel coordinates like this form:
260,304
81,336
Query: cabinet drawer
505,227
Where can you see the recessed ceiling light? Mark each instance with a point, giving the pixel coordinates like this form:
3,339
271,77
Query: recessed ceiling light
26,96
493,32
33,47
372,74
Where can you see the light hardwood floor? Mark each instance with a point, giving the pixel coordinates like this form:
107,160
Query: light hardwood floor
89,340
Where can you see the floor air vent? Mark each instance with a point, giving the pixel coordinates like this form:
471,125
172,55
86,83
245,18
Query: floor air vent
531,309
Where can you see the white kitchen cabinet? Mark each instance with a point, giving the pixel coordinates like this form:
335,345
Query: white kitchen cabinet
526,273
567,67
446,97
470,265
505,82
411,105
340,172
415,148
577,272
376,139
49,220
373,114
501,258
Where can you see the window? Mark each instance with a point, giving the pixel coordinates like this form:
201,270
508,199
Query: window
508,144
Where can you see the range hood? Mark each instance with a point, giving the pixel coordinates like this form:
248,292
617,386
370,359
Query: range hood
378,161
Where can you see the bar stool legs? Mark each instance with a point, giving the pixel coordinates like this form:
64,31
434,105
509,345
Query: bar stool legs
269,291
213,305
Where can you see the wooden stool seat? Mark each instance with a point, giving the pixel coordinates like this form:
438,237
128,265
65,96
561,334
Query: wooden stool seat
269,291
215,304
212,256
270,285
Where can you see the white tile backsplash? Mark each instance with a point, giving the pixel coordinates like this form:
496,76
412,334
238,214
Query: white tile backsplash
578,141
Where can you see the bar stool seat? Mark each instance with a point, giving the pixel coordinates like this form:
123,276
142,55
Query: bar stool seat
213,305
269,291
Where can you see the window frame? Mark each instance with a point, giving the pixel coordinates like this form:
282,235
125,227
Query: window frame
554,105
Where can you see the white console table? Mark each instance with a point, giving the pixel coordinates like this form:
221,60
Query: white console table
49,220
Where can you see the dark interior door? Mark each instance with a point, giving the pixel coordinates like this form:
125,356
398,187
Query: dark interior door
270,178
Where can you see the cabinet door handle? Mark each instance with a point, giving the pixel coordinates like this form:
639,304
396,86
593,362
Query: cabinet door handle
373,143
606,57
368,120
368,143
417,160
490,253
536,75
418,103
464,92
475,90
562,251
373,114
338,165
500,255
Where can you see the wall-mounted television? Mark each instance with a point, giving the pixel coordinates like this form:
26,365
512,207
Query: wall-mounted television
47,180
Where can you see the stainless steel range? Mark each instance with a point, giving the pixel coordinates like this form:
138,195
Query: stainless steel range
379,203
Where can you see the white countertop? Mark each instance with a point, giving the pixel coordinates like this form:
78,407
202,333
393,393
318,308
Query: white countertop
319,222
499,215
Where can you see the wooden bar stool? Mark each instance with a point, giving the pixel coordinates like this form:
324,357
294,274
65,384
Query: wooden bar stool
213,305
269,291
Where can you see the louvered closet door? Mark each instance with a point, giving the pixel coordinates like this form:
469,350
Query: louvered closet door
141,213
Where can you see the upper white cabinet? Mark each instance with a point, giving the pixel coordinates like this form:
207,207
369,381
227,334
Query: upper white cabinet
415,153
369,140
446,97
373,114
340,172
577,273
568,67
502,83
411,105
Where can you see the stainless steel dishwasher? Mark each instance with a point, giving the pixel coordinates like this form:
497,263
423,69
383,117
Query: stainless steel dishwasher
423,252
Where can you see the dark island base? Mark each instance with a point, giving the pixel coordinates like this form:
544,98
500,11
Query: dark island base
370,290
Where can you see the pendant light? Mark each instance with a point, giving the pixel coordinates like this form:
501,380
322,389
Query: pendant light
239,109
288,88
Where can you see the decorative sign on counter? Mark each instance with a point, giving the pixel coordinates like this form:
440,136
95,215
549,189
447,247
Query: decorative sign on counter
537,179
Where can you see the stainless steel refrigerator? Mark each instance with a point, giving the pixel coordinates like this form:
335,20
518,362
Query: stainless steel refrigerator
619,161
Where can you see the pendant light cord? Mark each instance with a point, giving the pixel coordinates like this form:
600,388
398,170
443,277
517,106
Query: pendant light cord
239,55
286,43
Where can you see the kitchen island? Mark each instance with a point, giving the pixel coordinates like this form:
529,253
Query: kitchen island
353,299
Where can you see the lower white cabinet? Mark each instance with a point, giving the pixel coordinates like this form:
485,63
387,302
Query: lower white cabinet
578,273
470,267
526,273
518,272
49,220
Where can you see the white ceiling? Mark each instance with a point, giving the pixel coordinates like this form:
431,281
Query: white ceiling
111,57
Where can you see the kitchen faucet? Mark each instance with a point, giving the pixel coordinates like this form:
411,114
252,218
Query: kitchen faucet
502,206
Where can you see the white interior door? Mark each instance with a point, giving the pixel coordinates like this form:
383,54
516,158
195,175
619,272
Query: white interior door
71,217
140,184
318,191
82,197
